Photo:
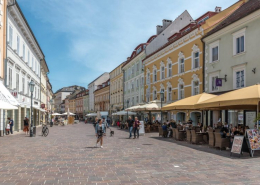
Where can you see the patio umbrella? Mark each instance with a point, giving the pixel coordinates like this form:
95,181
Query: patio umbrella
248,96
56,114
154,105
123,113
188,103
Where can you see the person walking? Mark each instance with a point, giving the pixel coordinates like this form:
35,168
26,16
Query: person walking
26,125
11,123
130,126
136,127
100,132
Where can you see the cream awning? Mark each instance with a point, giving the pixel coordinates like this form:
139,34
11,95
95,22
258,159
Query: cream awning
189,103
154,105
123,113
7,101
245,97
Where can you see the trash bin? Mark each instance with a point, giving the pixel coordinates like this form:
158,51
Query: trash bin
34,131
51,124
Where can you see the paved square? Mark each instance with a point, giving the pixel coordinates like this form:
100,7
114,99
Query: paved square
68,156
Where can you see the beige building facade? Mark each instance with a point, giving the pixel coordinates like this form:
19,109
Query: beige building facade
102,101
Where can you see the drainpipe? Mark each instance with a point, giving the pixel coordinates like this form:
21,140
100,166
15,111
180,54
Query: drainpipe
203,81
123,89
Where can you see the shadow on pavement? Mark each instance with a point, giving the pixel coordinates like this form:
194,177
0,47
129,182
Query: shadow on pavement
211,150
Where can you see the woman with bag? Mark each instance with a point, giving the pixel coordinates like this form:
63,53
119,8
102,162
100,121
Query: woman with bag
136,127
100,132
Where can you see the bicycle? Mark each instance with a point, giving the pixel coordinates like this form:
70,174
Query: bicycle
45,131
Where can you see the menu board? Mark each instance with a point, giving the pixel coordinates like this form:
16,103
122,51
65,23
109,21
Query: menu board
253,139
237,144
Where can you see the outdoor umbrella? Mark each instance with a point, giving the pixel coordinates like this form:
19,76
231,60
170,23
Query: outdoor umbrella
188,103
56,114
240,98
123,113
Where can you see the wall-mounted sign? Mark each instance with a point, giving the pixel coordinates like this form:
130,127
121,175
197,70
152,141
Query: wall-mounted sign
14,93
218,82
43,106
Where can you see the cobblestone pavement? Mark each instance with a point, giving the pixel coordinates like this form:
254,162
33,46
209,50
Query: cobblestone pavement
67,156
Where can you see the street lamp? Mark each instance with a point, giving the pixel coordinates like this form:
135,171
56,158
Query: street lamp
162,98
127,103
51,102
31,85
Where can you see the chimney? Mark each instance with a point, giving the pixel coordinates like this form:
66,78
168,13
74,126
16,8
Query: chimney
218,9
159,29
166,23
128,58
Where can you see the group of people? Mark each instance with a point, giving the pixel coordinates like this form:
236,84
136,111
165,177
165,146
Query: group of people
133,125
10,124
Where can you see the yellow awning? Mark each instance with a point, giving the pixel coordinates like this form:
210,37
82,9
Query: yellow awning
189,103
248,96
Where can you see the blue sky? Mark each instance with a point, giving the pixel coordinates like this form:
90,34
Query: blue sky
81,39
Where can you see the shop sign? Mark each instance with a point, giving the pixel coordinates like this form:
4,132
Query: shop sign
14,93
218,82
253,139
237,144
42,106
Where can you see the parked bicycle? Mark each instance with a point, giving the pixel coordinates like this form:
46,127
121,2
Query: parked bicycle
45,130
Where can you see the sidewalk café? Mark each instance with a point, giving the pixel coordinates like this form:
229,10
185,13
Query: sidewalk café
241,106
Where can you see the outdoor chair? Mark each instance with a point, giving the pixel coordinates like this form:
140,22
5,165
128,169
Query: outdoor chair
197,129
160,131
174,133
211,138
179,135
196,138
221,142
188,136
147,129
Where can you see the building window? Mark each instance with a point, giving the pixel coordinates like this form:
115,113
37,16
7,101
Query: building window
214,87
214,51
137,99
133,70
133,101
240,41
148,78
23,85
18,45
155,75
195,88
181,65
240,79
137,66
139,50
181,91
10,78
23,52
137,83
196,60
169,70
142,82
169,94
154,95
215,54
10,36
162,73
17,82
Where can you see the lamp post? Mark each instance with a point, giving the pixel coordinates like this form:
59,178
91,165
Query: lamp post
162,98
31,85
127,103
51,102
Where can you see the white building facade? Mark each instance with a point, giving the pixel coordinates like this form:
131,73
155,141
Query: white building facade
133,76
92,86
24,57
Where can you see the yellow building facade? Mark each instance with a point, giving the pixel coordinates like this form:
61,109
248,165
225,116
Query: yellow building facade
176,69
116,89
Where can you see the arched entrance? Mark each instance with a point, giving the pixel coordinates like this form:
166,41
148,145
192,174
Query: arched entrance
195,117
180,117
